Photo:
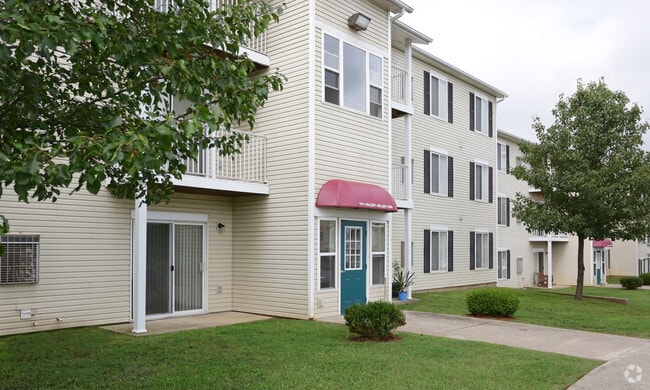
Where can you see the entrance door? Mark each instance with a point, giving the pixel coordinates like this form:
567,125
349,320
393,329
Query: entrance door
353,263
174,268
599,266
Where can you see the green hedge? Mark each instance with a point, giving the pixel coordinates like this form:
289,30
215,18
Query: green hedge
375,320
493,301
646,278
631,282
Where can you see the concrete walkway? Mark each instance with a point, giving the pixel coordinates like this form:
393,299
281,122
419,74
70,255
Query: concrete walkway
621,354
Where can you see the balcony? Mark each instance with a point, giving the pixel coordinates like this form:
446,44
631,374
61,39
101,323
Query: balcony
401,102
244,172
542,236
399,191
253,47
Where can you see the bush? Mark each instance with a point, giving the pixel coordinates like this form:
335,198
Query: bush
631,282
375,320
646,278
493,301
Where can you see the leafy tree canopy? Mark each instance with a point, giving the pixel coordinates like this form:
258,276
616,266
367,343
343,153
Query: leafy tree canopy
590,169
86,86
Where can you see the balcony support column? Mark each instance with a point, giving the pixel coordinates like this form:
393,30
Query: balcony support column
139,266
549,244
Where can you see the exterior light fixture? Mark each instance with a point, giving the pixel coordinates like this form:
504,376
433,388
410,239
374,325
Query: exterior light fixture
358,22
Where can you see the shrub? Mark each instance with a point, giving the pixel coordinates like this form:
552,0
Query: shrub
493,301
631,282
646,278
375,320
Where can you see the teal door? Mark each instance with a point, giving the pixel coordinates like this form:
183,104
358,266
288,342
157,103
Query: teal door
353,263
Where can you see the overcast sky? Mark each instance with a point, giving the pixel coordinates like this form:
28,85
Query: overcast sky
534,50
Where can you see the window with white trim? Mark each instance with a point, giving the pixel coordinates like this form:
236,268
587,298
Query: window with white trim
503,264
438,173
480,186
438,251
378,253
438,96
327,254
503,152
480,114
20,261
480,250
353,77
503,211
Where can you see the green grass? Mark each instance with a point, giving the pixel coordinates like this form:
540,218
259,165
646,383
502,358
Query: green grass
614,279
273,354
543,308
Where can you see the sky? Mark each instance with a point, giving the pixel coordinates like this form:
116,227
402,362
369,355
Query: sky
535,50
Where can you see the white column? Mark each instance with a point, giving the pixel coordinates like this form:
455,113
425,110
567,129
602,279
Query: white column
549,242
139,267
408,256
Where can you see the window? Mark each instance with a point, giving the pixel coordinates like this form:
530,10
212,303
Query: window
327,255
438,250
480,182
480,114
503,259
438,96
19,263
503,211
503,157
378,253
480,248
438,173
352,76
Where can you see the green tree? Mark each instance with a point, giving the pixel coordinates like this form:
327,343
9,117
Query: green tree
86,86
591,170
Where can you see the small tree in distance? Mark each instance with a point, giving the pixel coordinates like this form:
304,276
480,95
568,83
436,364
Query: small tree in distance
591,170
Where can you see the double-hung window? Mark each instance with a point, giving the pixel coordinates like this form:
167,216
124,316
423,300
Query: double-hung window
503,260
378,253
480,114
352,76
438,173
438,250
327,253
438,96
19,263
503,155
480,247
480,182
503,211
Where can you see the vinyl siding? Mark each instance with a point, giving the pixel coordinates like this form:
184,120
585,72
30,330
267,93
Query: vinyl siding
270,232
335,13
623,258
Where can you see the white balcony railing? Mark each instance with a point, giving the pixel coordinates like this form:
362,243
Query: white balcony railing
248,165
543,235
255,43
400,176
398,85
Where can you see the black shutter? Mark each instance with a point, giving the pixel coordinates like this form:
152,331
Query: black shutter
427,93
507,158
491,184
450,177
450,251
490,119
471,111
507,211
427,171
450,102
491,250
499,146
508,260
471,181
427,251
472,251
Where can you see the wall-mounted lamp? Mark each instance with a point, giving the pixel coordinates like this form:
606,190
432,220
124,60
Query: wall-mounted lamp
220,226
359,22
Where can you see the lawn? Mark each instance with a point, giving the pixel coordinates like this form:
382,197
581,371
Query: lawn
273,354
540,307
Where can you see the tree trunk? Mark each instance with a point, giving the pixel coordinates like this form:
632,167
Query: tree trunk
581,267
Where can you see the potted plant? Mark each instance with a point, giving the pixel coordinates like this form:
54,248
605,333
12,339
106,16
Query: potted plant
401,281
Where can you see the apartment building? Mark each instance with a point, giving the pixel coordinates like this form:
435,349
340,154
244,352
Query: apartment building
372,143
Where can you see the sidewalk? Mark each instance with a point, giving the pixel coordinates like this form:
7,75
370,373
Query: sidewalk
619,352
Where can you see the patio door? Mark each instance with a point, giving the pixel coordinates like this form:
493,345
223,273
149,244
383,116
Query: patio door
174,268
353,263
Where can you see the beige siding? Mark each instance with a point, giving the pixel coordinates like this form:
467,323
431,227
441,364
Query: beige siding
335,13
270,232
623,258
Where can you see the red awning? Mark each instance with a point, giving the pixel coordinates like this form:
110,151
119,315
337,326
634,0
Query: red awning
606,243
353,195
